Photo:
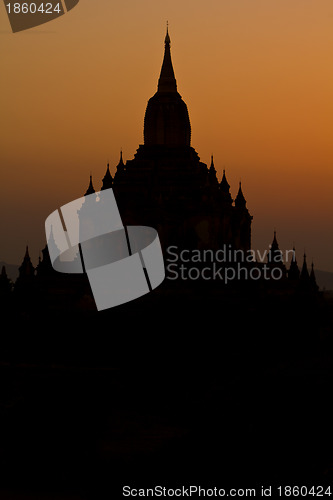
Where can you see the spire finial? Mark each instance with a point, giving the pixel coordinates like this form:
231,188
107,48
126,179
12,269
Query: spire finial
167,36
167,81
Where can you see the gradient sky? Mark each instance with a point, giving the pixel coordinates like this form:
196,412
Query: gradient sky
257,76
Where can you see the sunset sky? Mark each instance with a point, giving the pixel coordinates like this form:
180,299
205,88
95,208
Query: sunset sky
256,75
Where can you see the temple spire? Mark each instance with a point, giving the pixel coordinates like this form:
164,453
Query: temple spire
293,273
107,179
275,243
275,255
90,189
313,278
240,201
120,168
167,81
304,272
26,278
225,189
121,164
167,122
26,269
225,186
212,173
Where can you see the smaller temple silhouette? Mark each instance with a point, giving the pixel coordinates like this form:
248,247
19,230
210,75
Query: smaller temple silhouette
44,287
25,280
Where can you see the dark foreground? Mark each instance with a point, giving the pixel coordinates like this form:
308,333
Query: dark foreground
194,387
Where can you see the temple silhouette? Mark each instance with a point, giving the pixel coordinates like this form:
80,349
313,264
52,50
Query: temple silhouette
195,383
167,187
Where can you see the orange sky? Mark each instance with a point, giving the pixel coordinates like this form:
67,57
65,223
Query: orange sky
257,76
